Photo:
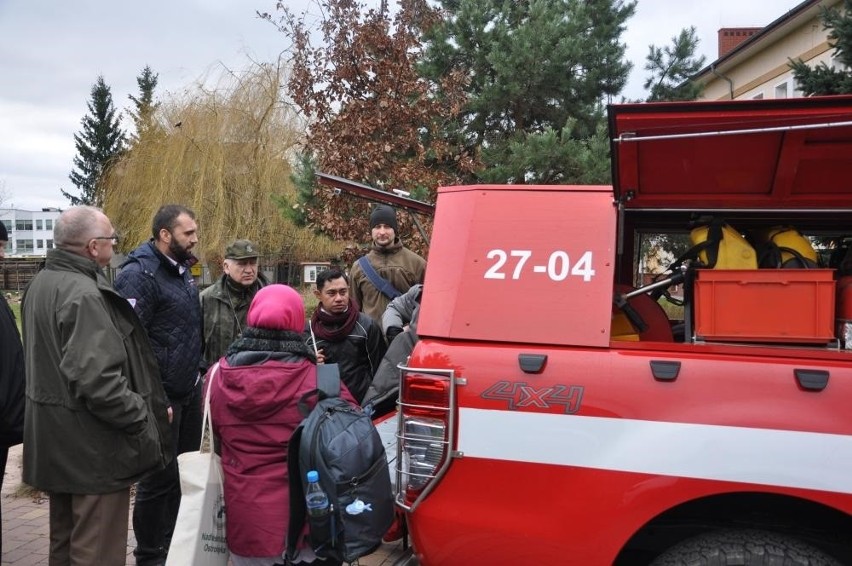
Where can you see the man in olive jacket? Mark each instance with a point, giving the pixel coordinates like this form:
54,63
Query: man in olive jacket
96,415
388,270
225,304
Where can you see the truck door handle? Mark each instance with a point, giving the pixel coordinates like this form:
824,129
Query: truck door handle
532,363
811,379
665,370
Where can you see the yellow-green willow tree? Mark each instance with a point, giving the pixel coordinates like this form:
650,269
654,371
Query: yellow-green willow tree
226,153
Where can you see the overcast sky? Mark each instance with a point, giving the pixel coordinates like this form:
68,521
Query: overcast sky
53,50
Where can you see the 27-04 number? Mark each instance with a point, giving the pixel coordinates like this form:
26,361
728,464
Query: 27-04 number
558,266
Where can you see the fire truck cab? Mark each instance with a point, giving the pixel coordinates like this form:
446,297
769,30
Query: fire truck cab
557,411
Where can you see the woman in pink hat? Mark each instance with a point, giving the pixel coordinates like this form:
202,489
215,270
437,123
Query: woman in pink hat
253,406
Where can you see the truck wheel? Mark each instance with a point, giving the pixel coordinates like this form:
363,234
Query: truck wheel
744,548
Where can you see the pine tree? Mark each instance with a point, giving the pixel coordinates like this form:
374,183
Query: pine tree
538,72
822,79
671,67
144,106
98,144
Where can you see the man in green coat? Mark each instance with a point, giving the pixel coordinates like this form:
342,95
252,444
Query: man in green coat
224,304
96,416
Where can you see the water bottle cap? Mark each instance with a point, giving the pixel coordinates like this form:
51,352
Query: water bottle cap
313,476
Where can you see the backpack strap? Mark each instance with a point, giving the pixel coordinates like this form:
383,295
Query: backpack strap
328,385
383,285
328,379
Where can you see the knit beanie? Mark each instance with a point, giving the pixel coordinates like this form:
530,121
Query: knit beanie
4,235
277,307
383,214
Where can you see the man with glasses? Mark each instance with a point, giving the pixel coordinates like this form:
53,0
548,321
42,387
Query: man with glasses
157,281
224,304
96,418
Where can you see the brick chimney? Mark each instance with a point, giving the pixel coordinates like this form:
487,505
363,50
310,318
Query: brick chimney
730,38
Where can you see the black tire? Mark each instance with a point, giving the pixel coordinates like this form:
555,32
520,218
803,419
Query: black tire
744,548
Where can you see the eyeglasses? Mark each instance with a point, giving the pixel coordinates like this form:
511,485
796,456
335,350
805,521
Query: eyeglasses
114,238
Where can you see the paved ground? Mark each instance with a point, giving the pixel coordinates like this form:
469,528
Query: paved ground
25,525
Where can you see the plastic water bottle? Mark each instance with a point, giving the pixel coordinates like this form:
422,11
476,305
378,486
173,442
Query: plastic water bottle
315,497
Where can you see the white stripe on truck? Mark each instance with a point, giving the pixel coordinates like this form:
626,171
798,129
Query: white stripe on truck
785,458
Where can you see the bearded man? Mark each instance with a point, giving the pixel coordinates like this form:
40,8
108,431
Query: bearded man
157,282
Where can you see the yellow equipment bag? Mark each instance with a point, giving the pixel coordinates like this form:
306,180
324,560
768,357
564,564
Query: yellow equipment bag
723,247
784,246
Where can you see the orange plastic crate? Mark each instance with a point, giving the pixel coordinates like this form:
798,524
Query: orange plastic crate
765,305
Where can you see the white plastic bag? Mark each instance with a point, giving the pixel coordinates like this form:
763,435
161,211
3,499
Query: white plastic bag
199,537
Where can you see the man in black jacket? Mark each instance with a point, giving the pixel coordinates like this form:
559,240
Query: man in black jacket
11,378
156,280
342,334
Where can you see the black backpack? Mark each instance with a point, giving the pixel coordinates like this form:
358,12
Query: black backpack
342,444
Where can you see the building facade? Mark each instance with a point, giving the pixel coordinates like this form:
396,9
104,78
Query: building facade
754,63
30,232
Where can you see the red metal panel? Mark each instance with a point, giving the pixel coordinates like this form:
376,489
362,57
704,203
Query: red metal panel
791,153
484,510
521,263
500,512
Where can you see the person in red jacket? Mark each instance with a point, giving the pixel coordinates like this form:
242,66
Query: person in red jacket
253,406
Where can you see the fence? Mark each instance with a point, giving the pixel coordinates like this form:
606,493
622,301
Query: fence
16,273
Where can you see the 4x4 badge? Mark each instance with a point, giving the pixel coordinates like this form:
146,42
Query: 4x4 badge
520,394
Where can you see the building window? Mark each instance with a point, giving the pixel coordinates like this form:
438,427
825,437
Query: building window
50,244
781,90
39,244
23,224
39,224
48,224
24,246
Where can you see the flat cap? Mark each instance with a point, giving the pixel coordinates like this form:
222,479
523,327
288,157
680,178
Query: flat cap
240,249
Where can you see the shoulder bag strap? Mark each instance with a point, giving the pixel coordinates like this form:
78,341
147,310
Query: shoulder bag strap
207,422
383,285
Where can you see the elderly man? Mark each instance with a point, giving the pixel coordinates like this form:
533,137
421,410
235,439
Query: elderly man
96,414
156,280
388,270
224,304
11,377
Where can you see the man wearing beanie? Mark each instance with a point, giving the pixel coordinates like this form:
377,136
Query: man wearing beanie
225,303
388,270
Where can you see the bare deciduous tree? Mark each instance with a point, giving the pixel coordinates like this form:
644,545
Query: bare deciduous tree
225,152
372,118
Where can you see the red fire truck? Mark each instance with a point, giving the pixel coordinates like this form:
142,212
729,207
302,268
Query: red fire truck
535,429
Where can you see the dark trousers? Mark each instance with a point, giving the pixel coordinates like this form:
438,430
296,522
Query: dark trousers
89,529
158,495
